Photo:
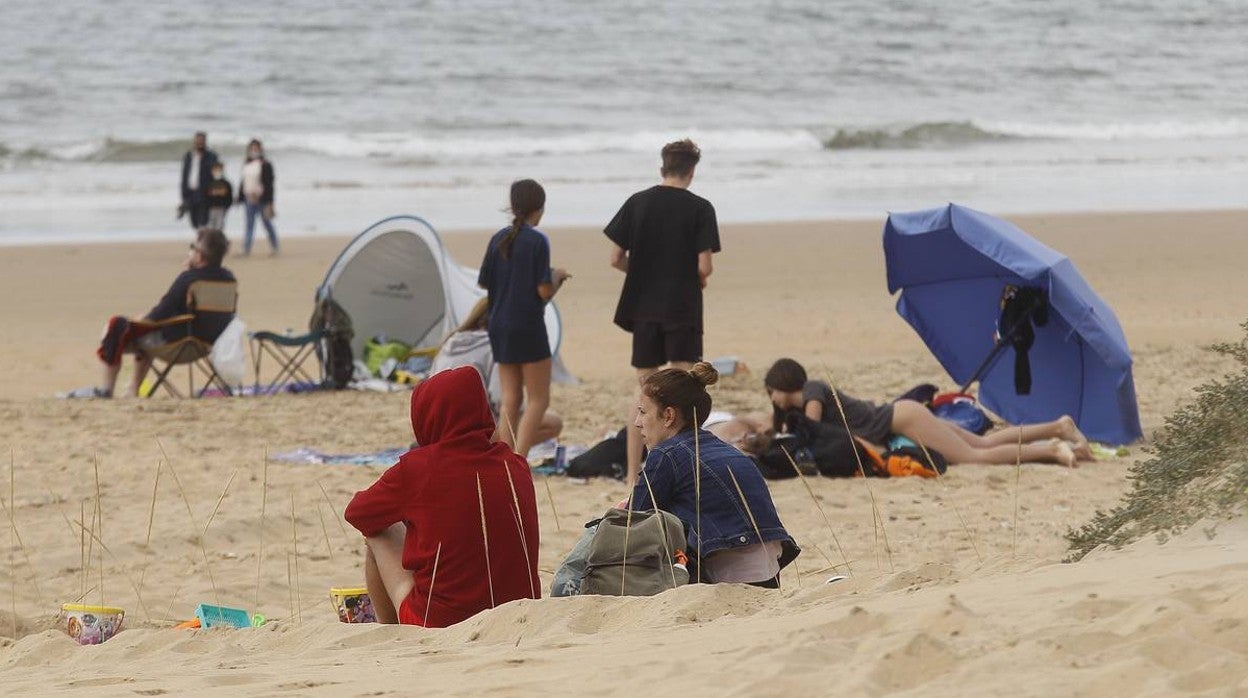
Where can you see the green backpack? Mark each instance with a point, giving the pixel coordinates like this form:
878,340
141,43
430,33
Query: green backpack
655,562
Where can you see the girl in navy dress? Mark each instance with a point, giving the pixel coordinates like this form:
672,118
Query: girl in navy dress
517,275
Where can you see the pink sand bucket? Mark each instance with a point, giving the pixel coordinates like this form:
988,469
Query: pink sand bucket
91,625
353,605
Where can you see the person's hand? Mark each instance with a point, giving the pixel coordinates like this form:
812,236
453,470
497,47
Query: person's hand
181,211
559,276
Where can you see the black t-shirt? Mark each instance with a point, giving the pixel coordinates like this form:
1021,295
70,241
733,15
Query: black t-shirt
220,193
206,326
663,229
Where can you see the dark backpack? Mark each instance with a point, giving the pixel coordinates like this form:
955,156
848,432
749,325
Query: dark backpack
828,446
335,348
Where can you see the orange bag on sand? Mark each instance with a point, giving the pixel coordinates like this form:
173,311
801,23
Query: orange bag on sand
900,465
874,466
897,463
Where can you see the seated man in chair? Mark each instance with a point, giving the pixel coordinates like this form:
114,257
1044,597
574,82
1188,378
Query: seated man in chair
125,335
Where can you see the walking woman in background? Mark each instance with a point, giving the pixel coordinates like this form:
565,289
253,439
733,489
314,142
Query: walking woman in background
255,192
517,275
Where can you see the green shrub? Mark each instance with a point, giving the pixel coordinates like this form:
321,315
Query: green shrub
1198,467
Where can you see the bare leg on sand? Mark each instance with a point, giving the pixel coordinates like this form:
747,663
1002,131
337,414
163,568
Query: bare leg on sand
387,581
914,421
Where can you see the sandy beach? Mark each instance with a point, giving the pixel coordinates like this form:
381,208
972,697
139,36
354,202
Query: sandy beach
967,596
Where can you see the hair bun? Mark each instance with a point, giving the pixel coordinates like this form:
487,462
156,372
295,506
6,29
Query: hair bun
704,373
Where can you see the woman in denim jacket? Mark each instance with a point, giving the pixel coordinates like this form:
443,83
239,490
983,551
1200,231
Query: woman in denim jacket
734,533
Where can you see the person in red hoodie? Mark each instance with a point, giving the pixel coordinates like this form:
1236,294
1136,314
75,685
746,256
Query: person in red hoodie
456,502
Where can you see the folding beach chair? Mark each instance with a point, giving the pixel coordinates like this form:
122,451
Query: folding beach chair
202,298
290,353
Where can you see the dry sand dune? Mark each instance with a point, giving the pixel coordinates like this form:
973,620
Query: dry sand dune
968,597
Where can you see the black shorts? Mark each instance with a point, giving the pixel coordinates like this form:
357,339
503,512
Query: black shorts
522,346
655,344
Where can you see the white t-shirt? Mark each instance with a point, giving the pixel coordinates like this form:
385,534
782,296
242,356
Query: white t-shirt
192,175
253,188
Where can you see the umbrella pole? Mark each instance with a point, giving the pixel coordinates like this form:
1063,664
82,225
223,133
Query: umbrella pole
1002,343
985,365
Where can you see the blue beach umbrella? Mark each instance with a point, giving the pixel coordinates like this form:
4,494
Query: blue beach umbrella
994,304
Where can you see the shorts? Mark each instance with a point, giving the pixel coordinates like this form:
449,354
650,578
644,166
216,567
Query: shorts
522,346
874,425
408,615
655,344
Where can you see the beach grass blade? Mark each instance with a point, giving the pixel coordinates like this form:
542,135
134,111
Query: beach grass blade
822,513
524,540
671,560
437,557
485,536
878,519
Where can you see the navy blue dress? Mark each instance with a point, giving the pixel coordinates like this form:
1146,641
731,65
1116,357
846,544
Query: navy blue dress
517,322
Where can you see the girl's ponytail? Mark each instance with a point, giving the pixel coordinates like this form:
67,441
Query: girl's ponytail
527,198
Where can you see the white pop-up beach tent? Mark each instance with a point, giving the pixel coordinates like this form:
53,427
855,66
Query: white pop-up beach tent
396,279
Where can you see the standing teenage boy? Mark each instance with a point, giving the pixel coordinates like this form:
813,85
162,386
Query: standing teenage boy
663,240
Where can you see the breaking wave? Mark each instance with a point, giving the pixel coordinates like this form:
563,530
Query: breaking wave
933,134
435,146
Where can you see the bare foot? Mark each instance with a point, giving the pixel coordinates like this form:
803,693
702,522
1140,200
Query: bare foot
1078,442
1063,454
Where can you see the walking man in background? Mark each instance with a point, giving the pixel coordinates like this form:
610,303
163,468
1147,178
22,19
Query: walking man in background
196,175
663,238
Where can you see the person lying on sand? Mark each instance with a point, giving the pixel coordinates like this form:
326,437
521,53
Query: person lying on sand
733,530
451,529
1059,441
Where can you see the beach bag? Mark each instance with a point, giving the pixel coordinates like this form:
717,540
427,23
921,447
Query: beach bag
377,351
606,458
960,409
774,461
640,553
829,446
228,353
339,363
335,347
568,577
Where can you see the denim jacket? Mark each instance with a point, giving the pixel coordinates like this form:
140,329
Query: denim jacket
725,522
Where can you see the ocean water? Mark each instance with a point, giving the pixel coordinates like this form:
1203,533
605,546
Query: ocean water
804,109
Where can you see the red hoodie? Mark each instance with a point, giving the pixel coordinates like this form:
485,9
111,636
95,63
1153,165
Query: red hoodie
433,491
